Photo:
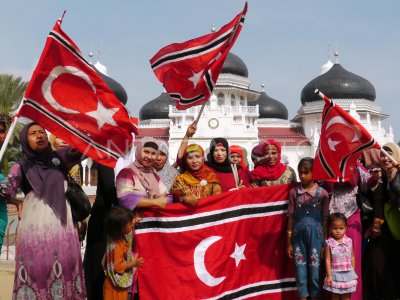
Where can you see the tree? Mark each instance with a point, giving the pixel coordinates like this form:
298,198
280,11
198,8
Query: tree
11,91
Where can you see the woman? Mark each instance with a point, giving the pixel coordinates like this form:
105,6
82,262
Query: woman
270,170
236,156
232,177
138,185
48,260
198,181
165,170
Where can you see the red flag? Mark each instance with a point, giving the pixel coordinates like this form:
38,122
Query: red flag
342,140
230,246
189,70
67,97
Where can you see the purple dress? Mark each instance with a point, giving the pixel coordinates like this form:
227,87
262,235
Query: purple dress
48,258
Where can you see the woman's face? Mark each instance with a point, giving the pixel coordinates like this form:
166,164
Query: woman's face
148,156
194,160
37,138
271,155
59,143
219,154
161,159
235,158
386,161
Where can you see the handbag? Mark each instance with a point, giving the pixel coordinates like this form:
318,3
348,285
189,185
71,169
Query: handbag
363,203
78,200
392,216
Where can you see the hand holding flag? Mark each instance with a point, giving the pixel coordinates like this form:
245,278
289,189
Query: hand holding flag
67,97
189,70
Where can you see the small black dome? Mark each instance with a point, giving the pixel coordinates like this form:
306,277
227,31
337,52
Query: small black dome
235,65
338,83
270,108
157,108
117,88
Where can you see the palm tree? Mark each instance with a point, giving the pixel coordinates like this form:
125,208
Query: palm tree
11,91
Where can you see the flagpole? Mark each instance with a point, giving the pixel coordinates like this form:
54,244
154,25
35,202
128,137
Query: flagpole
327,100
200,112
10,131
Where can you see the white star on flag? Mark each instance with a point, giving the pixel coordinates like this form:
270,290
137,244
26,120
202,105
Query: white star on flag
103,115
196,78
238,254
332,144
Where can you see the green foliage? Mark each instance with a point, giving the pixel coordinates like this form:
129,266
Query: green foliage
11,92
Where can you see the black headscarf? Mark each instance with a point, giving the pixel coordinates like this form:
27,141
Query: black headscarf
44,174
224,167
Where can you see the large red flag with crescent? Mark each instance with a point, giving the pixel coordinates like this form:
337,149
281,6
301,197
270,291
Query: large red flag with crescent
229,246
189,70
342,140
68,98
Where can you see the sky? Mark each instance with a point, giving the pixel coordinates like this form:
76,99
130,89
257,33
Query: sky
283,43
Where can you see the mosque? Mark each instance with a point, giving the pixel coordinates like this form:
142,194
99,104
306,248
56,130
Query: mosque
246,117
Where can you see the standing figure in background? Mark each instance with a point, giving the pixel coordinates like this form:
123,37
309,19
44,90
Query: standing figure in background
48,260
3,204
271,171
57,143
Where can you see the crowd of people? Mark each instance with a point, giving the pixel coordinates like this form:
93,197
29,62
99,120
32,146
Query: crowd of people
343,237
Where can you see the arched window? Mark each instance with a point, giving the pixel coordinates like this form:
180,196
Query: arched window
221,100
233,100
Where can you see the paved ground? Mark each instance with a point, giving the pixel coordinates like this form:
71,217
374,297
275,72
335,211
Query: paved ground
6,278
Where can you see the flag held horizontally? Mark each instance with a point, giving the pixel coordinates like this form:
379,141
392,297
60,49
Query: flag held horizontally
190,70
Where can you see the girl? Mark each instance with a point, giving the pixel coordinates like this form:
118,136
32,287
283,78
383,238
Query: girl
341,279
119,262
308,211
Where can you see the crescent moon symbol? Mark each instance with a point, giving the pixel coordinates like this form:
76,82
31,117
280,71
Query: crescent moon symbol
340,120
57,71
199,266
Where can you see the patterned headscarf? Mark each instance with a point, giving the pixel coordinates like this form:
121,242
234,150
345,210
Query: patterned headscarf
168,173
192,177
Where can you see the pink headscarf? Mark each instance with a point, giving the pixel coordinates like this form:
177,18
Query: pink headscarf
147,175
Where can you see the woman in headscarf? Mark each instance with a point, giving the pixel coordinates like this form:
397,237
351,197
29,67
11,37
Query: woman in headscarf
198,181
270,170
165,170
48,260
138,185
383,252
231,176
236,156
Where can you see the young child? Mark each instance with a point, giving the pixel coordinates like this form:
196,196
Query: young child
308,211
341,279
119,263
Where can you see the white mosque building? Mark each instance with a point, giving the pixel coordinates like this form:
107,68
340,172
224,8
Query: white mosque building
246,117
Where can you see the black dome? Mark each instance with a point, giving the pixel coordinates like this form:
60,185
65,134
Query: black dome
270,108
338,83
235,65
117,88
157,108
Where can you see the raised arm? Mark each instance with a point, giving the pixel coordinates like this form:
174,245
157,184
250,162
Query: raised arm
191,130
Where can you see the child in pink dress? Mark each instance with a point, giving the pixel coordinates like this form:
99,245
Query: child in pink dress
341,278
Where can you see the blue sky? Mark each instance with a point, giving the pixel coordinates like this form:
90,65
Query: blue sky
283,43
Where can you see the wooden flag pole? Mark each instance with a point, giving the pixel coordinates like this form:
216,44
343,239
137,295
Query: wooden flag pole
200,112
